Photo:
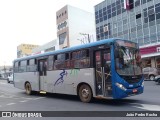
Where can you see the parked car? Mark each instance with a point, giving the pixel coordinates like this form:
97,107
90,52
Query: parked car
157,79
150,73
10,78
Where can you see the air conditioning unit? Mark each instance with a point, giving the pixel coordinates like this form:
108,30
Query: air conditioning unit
105,29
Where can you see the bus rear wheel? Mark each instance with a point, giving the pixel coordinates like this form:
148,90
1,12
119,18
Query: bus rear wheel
85,93
28,88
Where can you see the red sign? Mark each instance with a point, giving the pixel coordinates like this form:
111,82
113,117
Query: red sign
149,50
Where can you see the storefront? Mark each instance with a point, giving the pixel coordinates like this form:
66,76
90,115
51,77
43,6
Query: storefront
151,56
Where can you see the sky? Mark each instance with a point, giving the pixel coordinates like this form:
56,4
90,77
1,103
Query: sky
31,22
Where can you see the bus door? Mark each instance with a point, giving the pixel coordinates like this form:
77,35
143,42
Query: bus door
103,72
43,74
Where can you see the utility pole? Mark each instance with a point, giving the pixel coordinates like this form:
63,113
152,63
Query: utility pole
89,40
4,70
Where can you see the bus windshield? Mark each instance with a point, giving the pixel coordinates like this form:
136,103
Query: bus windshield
127,59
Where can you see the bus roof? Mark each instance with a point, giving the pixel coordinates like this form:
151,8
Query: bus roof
69,49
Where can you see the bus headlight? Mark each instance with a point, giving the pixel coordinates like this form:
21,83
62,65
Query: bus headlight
121,86
142,84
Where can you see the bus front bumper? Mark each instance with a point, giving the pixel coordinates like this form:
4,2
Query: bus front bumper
120,93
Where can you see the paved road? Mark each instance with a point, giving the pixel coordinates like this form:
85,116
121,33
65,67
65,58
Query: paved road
13,99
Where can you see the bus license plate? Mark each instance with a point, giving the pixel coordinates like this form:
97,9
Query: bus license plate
134,90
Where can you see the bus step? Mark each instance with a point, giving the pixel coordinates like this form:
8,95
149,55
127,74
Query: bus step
43,92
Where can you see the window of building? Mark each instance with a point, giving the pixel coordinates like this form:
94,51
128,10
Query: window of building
139,33
158,4
105,17
100,11
146,39
137,3
149,0
157,9
158,16
145,12
138,16
140,40
139,27
113,9
146,31
119,11
143,1
97,30
109,16
133,29
153,29
133,34
151,17
96,13
104,13
109,11
158,27
101,29
119,6
104,9
151,11
118,2
97,21
153,38
101,19
113,5
100,15
62,38
146,20
113,13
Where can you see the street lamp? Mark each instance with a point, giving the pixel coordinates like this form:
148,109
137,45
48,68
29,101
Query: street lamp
87,36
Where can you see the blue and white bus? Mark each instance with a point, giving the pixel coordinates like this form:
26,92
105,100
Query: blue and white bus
108,68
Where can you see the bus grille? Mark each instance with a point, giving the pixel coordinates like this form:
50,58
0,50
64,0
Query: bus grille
131,79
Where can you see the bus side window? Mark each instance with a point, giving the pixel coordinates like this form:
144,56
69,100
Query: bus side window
67,61
80,59
55,62
50,63
16,67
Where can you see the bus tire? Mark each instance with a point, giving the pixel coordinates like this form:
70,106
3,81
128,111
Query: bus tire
85,93
28,88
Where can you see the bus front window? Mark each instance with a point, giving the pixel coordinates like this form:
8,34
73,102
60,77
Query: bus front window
128,61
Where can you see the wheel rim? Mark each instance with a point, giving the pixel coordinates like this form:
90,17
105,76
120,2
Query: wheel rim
28,89
85,93
152,78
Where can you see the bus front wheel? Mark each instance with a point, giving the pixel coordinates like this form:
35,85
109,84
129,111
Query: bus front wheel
85,93
28,88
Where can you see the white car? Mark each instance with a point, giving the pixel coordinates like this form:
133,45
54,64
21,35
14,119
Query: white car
10,78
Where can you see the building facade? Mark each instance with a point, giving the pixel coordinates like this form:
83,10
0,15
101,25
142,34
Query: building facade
25,50
50,46
72,24
135,20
